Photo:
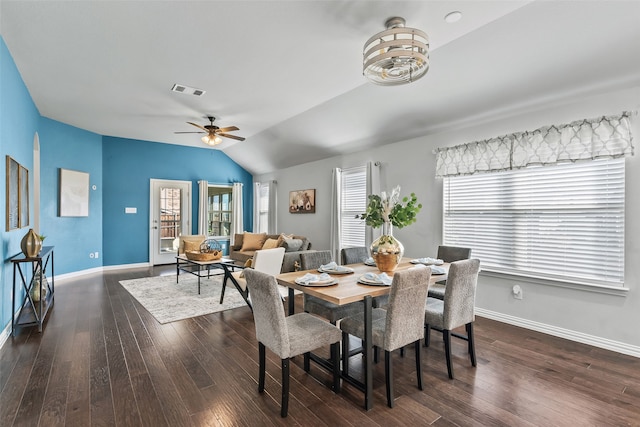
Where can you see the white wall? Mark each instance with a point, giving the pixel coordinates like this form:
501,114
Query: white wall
609,321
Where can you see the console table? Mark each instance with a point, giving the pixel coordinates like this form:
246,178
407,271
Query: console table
33,310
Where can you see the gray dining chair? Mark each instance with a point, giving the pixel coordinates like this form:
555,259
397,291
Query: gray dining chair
287,336
399,325
455,310
354,255
313,305
447,254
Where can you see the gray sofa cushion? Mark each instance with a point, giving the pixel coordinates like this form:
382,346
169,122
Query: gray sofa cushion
292,245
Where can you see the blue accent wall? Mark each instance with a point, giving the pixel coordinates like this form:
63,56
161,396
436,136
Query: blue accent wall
18,126
74,238
128,166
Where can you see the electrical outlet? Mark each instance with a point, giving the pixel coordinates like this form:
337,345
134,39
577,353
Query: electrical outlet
517,291
91,255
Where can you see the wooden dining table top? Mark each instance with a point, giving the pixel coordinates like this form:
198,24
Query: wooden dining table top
348,290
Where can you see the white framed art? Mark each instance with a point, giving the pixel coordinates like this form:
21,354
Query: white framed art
74,193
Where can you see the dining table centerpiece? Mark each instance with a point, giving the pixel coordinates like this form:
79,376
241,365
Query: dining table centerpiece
388,210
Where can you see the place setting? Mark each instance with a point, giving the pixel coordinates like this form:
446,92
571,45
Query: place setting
373,279
433,263
317,280
334,268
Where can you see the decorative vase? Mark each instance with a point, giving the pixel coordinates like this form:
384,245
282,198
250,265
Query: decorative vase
31,244
386,250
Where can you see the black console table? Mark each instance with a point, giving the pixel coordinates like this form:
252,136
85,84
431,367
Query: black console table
33,310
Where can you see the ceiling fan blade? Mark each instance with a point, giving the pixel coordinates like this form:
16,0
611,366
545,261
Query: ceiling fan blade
198,126
226,135
227,129
190,132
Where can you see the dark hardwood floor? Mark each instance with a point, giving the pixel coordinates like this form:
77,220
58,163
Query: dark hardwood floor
103,360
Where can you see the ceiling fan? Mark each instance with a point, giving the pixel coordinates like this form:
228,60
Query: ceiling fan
213,132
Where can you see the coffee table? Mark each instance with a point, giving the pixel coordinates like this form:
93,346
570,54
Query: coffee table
203,268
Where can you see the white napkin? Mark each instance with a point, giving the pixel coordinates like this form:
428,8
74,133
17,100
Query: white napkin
428,260
370,260
312,278
332,266
382,278
437,270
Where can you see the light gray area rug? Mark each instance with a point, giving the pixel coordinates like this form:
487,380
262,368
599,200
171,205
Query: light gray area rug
168,301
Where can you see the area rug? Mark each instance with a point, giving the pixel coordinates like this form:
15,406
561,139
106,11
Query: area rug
169,302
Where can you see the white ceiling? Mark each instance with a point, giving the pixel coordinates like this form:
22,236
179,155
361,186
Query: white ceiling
288,73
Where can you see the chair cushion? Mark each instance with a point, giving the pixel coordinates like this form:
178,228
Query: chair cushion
330,311
239,277
434,312
354,325
307,333
436,291
253,241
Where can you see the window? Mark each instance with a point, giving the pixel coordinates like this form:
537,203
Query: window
262,225
562,222
353,201
219,211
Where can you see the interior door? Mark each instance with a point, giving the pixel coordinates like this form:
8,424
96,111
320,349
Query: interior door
170,212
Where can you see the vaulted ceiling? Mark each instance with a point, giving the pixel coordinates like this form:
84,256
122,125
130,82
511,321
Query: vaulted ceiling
289,73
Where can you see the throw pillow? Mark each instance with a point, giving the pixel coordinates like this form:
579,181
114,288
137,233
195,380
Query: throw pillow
282,237
247,264
270,244
192,246
253,241
292,245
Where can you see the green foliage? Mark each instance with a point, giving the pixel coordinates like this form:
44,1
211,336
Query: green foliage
401,214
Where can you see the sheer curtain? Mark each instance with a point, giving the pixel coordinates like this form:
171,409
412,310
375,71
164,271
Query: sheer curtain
203,200
373,187
273,201
334,241
237,224
260,189
588,139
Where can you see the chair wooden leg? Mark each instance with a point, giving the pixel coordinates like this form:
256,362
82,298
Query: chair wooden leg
446,335
262,367
401,351
284,408
224,287
335,359
376,354
307,362
427,335
471,342
388,374
418,364
345,353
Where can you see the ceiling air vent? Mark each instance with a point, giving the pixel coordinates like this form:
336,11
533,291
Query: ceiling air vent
188,90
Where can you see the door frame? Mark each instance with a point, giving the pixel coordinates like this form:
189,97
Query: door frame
154,257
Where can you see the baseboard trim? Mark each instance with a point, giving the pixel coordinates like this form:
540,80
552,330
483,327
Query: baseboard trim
5,334
580,337
76,274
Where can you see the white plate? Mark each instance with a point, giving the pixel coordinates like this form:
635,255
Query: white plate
347,271
330,282
365,281
415,261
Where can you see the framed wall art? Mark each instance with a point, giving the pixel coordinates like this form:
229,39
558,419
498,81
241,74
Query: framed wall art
302,201
74,193
17,201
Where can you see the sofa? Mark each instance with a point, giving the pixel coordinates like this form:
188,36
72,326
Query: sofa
246,244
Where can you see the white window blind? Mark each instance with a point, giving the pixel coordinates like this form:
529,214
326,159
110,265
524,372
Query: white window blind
263,208
353,202
562,222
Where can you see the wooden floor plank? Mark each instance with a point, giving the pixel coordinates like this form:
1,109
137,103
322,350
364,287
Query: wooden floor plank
103,360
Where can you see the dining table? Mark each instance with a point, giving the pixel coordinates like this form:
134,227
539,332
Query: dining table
348,289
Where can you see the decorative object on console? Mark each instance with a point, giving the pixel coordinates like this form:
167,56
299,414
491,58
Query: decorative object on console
396,56
387,211
302,201
209,250
31,244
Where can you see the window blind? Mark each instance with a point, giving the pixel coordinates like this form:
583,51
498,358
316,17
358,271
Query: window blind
353,201
563,222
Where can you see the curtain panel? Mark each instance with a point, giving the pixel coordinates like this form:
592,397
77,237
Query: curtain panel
203,200
588,139
237,225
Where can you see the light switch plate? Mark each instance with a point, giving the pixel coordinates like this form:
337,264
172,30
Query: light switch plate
131,210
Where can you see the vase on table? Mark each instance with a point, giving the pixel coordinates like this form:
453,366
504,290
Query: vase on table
386,250
31,244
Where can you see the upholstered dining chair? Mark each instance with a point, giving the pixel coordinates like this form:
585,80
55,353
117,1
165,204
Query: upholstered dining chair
313,305
268,261
287,336
456,309
447,254
399,325
354,255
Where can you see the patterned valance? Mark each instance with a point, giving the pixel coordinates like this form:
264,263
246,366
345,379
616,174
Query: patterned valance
589,139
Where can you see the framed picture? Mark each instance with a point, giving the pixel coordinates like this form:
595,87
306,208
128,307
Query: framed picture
17,201
302,201
74,193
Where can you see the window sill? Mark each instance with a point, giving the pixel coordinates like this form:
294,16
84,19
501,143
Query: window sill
581,286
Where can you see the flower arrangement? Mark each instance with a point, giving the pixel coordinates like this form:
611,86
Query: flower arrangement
387,208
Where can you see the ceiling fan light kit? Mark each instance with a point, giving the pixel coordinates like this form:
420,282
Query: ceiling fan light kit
397,55
213,132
